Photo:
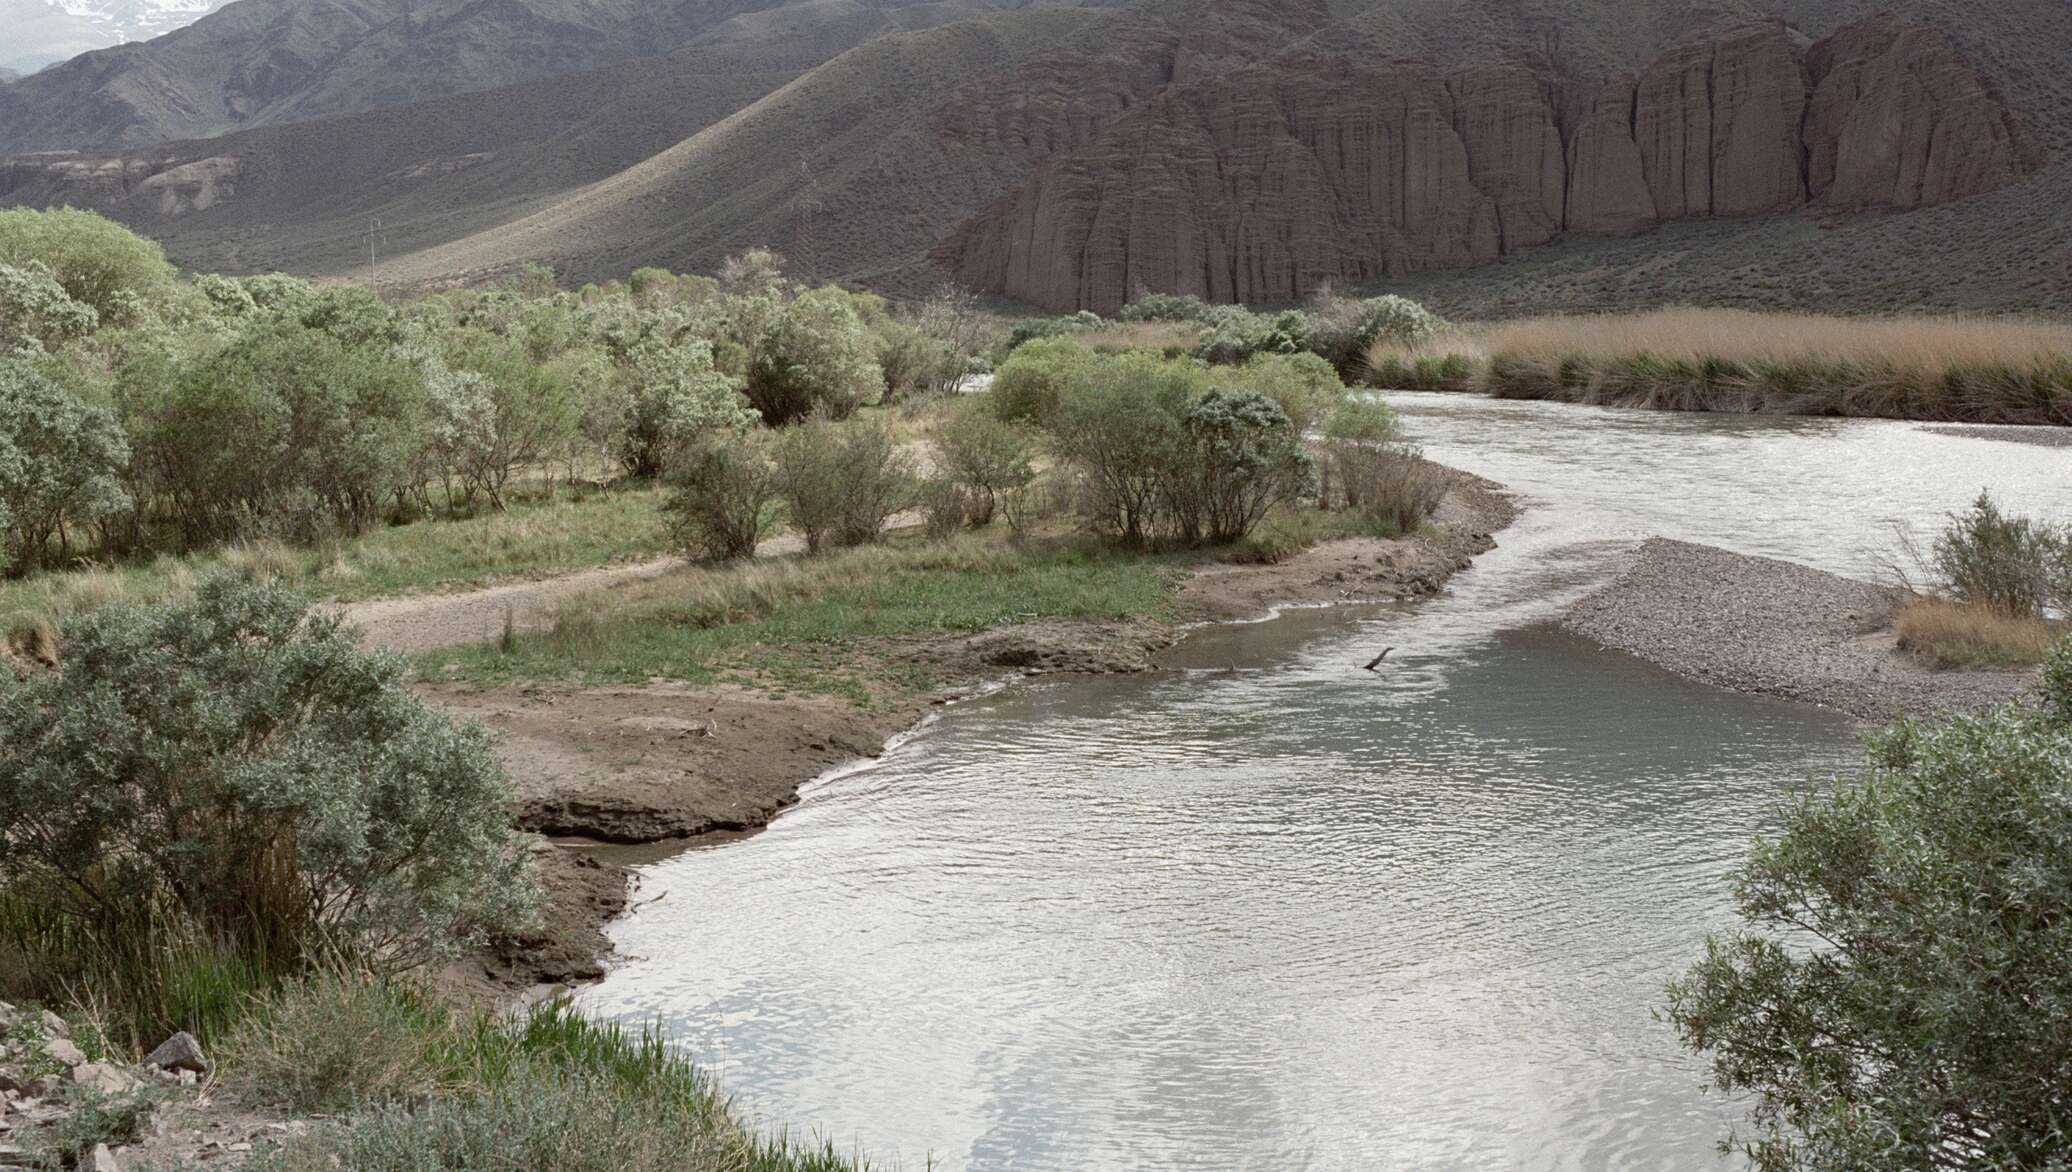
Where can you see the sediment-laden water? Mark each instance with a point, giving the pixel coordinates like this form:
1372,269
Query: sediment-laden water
1270,911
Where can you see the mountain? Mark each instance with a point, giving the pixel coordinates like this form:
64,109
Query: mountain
1492,155
267,62
42,32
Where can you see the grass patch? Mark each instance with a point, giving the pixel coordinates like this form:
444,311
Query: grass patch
1955,636
548,1088
790,622
535,538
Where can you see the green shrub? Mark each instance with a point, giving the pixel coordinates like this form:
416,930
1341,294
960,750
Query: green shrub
1898,997
2005,564
1035,378
36,313
840,481
98,261
495,412
945,506
984,456
674,397
1243,459
814,354
720,499
1121,428
1303,385
236,767
59,460
1166,307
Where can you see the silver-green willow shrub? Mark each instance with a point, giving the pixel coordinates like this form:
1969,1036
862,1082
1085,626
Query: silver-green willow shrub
1902,997
59,460
237,768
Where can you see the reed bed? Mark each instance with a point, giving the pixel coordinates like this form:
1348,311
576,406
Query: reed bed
1930,368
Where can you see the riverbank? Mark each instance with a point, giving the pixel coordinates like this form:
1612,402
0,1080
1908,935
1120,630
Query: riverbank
1769,627
663,766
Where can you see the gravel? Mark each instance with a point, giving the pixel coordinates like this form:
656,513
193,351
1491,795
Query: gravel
2042,437
1772,628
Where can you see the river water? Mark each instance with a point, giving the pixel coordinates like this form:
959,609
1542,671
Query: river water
1266,910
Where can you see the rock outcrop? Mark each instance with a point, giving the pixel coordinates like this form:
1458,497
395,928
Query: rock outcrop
1263,180
1897,120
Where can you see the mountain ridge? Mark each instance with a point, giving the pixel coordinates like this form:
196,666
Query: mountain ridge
866,165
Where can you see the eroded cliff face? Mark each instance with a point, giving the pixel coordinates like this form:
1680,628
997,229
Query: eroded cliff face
1265,179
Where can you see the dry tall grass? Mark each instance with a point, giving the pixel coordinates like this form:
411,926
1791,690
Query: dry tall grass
1951,636
1943,368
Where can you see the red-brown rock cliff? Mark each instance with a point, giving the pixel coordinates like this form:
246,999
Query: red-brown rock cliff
1260,181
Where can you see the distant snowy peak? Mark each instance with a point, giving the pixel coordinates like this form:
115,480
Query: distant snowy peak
43,31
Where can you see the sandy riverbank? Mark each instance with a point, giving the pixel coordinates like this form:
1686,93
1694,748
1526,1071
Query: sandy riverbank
673,765
1773,628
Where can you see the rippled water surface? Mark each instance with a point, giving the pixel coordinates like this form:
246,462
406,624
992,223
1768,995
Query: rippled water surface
1266,910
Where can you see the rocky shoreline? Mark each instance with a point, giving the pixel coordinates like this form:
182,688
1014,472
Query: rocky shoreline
1773,628
671,767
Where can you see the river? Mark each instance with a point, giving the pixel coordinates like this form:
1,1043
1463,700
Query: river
1266,910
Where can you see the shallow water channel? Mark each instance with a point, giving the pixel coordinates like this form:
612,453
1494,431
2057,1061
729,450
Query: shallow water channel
1266,910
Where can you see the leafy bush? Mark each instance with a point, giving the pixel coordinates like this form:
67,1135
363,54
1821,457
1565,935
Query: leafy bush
2007,565
813,354
674,398
840,481
1304,386
1121,427
495,412
1244,458
36,313
1234,334
1930,1026
238,766
98,261
1376,474
984,456
1029,385
945,507
720,499
59,459
1166,307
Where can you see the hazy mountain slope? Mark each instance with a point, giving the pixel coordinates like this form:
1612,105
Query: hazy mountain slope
264,62
855,170
306,196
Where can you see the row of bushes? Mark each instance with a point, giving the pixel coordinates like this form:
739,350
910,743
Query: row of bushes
1339,330
140,411
1152,449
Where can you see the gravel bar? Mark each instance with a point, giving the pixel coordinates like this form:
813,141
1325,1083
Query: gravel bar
2013,433
1770,627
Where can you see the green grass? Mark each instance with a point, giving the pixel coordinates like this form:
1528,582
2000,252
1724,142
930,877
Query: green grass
533,539
793,623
